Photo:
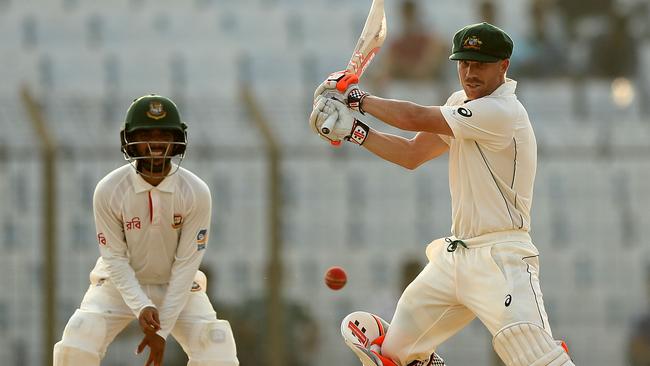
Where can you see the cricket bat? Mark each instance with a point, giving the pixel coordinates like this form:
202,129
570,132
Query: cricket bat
370,41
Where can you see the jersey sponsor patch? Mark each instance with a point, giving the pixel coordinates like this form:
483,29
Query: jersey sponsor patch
201,239
134,223
101,239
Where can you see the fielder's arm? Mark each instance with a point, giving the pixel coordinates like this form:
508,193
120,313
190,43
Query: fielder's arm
113,249
407,116
408,153
189,254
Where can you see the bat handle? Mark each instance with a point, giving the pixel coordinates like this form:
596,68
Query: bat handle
328,125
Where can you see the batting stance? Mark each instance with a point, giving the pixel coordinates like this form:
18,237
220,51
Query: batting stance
152,220
489,267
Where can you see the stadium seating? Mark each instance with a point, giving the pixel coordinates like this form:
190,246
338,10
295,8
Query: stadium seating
85,61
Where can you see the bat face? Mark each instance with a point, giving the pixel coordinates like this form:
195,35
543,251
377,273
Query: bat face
371,39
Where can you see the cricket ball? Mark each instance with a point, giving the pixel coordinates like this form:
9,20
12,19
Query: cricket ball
336,278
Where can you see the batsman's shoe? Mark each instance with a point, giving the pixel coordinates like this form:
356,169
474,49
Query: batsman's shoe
564,346
363,332
371,358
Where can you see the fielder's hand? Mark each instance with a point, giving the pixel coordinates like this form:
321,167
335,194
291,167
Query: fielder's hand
342,86
149,320
341,123
156,345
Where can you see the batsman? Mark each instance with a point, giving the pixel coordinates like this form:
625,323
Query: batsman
488,267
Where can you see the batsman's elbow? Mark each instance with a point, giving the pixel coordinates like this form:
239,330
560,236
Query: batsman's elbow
417,153
411,162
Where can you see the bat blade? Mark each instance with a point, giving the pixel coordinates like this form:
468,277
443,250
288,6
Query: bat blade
371,39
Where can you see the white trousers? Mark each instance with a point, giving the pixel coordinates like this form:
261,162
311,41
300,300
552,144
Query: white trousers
205,339
495,279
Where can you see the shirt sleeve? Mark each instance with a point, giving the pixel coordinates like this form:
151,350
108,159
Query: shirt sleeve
483,120
191,248
113,249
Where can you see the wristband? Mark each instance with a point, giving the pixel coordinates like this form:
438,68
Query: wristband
359,132
355,98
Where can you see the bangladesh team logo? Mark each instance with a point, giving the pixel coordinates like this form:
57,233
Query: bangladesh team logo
156,111
178,221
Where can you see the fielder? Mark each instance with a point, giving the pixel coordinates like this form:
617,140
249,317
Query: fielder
152,219
488,268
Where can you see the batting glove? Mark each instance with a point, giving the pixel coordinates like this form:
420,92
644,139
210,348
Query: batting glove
319,115
343,124
343,86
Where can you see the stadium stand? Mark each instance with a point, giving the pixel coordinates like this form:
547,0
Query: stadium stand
85,61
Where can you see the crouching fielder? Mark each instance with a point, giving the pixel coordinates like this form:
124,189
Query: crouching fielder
488,268
152,219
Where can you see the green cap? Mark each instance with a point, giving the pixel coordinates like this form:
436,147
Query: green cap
481,42
153,111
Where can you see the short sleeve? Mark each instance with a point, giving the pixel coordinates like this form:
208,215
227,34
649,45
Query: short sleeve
485,120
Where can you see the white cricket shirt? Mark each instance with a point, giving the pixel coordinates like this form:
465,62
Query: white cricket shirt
492,162
151,235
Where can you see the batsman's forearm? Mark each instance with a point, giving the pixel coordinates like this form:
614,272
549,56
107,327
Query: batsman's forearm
397,113
395,149
407,116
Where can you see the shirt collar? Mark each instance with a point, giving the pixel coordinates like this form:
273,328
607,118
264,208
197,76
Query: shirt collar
506,88
140,185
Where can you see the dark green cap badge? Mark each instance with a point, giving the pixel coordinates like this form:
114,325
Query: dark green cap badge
481,42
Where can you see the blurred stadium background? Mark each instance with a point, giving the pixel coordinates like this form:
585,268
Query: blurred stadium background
585,82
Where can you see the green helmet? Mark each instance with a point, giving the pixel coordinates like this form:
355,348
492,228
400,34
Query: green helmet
149,112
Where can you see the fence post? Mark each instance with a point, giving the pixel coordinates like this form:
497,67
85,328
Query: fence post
48,229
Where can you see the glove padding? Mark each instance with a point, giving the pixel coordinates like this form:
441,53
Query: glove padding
346,126
342,86
321,112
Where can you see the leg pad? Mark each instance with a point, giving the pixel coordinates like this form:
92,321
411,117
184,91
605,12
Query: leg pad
69,356
207,343
528,344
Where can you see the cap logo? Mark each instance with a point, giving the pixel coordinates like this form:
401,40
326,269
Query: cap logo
156,111
473,43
